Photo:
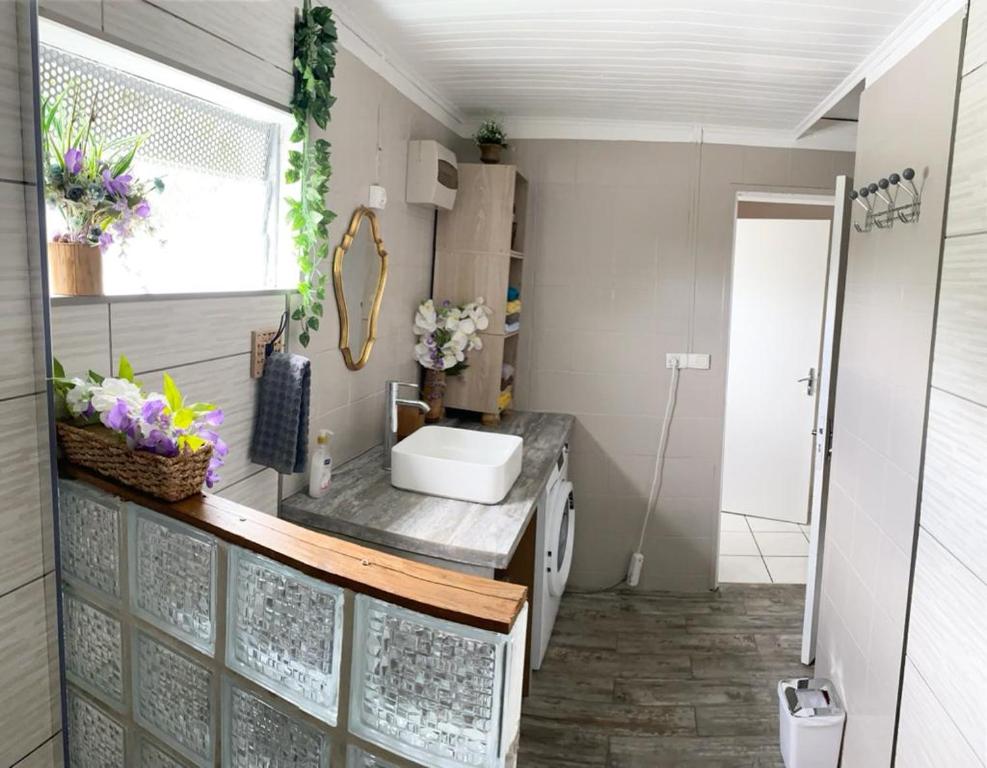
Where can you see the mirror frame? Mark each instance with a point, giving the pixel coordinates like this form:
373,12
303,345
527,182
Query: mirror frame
339,254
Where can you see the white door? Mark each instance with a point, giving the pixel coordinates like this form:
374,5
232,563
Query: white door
832,325
776,316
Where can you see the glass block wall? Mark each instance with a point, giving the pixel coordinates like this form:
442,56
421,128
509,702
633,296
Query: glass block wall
184,651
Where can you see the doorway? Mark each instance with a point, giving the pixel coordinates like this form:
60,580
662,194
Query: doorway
777,305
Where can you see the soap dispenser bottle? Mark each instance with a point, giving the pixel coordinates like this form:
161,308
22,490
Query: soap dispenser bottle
320,467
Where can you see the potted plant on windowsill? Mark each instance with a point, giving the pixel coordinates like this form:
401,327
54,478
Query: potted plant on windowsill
91,184
155,442
446,334
491,140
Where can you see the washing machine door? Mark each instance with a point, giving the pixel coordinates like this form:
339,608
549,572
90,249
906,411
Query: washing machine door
560,542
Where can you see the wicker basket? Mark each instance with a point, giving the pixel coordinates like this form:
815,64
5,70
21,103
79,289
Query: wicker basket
170,478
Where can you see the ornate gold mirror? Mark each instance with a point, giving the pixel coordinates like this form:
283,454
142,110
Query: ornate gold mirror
359,272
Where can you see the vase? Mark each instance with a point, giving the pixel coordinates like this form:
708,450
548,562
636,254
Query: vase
434,391
75,269
490,153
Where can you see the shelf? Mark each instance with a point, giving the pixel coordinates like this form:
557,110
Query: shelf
517,255
511,334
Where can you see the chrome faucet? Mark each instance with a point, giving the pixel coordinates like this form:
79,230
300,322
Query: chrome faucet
392,401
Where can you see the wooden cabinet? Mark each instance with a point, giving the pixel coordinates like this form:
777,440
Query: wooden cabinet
479,251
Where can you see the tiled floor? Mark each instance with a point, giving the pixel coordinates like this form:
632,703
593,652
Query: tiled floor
754,550
665,680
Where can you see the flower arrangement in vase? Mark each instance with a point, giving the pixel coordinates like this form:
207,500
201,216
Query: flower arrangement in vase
446,334
491,139
153,441
92,185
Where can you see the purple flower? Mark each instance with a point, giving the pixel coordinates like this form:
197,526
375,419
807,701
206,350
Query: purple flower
213,418
117,186
151,410
105,240
160,443
142,210
73,160
118,417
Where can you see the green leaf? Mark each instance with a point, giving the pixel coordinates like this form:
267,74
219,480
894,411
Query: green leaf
183,418
57,369
96,378
172,393
304,338
313,323
126,370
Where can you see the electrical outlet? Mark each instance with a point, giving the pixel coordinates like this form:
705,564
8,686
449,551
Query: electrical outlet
681,358
258,342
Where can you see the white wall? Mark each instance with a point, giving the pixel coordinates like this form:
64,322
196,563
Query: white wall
629,258
30,719
906,119
947,635
204,342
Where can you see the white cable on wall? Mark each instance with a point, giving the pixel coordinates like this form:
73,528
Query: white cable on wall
637,559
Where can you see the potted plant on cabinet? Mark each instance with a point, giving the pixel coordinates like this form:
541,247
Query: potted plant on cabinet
91,184
491,139
446,334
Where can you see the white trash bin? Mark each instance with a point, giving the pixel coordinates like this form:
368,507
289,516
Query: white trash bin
811,723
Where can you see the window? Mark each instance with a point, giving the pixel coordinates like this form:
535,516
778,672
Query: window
219,223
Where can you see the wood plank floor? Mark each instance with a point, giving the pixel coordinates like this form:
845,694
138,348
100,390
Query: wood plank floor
665,680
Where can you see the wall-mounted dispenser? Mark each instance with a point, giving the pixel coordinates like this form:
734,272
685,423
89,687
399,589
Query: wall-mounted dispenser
433,176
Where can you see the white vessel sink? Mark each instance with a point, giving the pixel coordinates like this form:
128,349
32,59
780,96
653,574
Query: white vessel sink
457,463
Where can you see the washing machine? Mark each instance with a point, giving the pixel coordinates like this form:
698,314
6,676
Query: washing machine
555,527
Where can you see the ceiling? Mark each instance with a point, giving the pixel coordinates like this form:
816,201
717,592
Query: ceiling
753,65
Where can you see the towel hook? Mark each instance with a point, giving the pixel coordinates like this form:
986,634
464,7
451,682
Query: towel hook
263,343
269,346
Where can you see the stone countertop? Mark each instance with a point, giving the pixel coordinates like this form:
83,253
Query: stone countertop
362,503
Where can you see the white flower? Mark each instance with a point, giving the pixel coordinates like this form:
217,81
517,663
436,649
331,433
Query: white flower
467,326
106,395
425,318
77,398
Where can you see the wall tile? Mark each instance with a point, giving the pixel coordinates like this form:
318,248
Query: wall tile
48,755
258,491
260,27
82,14
164,334
954,492
946,638
16,330
967,194
21,530
961,344
975,54
81,338
929,738
11,164
181,44
26,708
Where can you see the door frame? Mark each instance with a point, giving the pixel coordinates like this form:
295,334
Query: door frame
826,409
762,196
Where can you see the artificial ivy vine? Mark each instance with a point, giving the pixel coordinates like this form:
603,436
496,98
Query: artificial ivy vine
314,65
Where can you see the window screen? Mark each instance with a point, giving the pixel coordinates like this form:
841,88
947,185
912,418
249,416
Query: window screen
217,219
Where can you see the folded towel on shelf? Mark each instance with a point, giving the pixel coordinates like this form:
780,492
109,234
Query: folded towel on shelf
280,437
504,399
511,327
515,318
513,307
513,293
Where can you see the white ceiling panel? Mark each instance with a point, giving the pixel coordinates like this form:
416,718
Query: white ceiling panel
758,65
